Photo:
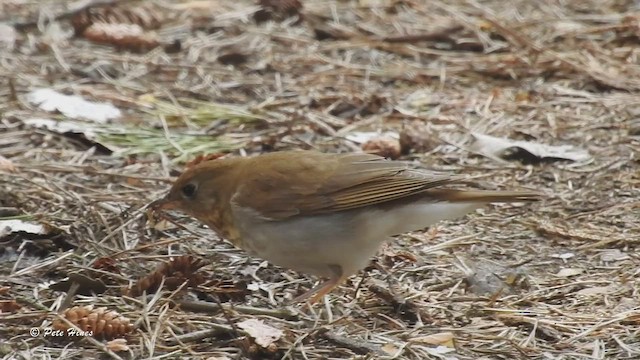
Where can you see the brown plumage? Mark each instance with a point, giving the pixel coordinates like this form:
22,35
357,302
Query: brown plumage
324,214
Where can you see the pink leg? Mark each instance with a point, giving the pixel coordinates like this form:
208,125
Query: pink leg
322,289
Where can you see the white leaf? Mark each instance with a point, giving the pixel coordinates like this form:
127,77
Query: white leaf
568,272
499,148
61,127
564,256
73,106
610,255
596,290
263,334
12,226
361,137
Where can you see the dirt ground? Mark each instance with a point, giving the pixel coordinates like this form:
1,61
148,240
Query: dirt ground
415,80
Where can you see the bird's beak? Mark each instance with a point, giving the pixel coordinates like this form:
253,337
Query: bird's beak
162,204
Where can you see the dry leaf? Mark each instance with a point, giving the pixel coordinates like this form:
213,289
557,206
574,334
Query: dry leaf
392,255
438,351
80,131
118,345
6,164
125,36
9,306
13,226
502,149
361,137
73,106
390,349
264,335
163,225
383,146
564,256
596,290
61,126
416,138
568,272
610,255
443,338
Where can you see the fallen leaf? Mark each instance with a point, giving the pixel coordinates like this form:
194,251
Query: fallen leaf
9,306
564,256
438,351
77,130
61,126
416,138
443,338
596,290
6,164
163,225
610,255
391,255
502,149
361,137
125,36
118,345
568,272
263,334
390,349
73,106
383,146
13,226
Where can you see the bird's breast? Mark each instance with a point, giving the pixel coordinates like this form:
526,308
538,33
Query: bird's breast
222,223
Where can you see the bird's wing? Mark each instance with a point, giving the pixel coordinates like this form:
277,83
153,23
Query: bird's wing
322,183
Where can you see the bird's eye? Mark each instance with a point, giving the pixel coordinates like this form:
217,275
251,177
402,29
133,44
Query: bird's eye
189,190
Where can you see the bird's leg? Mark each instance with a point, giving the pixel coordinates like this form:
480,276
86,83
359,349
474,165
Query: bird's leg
323,288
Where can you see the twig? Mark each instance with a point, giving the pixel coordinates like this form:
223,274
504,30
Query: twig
214,329
358,346
441,35
209,307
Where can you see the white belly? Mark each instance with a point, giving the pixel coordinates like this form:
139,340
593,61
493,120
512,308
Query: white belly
348,239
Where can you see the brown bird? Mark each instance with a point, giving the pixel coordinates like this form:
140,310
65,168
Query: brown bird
321,214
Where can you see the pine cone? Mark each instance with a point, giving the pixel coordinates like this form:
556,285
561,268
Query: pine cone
96,322
146,17
176,272
277,10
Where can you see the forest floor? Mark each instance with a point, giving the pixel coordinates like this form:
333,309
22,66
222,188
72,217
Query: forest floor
442,84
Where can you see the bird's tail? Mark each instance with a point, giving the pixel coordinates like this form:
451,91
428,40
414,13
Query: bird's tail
483,196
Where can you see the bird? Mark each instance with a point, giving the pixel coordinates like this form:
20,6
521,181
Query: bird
323,214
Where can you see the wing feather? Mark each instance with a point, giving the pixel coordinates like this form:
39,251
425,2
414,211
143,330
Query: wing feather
323,183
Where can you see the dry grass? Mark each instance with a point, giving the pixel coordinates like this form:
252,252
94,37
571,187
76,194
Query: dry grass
553,280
